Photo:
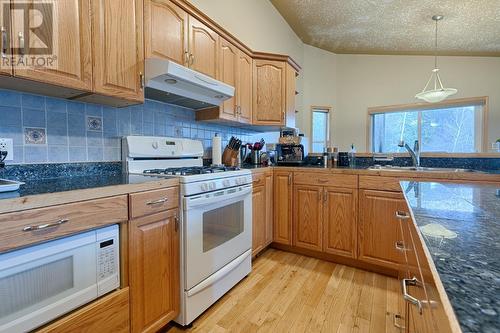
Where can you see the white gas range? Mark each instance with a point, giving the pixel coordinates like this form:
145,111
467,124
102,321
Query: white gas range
216,224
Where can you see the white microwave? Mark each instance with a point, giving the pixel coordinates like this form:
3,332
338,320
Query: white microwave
42,282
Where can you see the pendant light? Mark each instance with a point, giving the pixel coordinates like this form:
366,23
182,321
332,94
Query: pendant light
439,92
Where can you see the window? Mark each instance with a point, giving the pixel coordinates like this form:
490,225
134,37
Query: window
456,127
320,128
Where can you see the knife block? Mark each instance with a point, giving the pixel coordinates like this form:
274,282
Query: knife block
230,157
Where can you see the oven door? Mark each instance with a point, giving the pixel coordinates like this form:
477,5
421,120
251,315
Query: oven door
217,229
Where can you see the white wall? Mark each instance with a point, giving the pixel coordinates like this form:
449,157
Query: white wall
364,81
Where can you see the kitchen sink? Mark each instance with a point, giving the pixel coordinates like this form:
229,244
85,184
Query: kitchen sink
420,169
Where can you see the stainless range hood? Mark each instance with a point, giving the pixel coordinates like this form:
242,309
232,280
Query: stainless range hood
172,83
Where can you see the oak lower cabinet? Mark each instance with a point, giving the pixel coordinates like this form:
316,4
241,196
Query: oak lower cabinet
282,225
340,215
307,217
262,215
325,219
154,270
378,227
117,41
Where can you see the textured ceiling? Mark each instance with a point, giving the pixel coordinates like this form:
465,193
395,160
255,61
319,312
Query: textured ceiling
469,27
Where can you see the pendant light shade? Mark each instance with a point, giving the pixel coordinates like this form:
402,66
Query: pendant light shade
436,92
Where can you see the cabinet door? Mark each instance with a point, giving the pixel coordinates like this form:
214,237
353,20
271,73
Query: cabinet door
269,92
5,39
282,229
203,43
307,223
165,31
228,62
154,270
70,63
340,221
244,87
269,208
379,228
259,219
118,48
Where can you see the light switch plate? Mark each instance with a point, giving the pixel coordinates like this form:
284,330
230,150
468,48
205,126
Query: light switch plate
7,145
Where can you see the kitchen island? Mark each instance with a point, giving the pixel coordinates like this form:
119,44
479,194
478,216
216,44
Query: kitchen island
460,226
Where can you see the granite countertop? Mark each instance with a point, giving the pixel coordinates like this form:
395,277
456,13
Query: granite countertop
466,253
71,183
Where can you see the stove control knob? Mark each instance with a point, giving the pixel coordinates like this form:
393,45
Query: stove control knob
212,186
226,183
155,145
204,187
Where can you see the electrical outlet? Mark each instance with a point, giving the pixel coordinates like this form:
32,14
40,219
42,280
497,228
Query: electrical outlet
7,145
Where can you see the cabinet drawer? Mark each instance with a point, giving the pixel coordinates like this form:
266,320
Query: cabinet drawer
37,225
150,202
325,179
380,183
258,179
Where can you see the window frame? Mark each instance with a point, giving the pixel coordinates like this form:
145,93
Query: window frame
482,100
328,111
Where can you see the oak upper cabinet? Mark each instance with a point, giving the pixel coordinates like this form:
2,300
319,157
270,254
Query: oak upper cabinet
282,230
379,227
228,73
244,88
269,84
5,38
307,217
165,31
340,221
117,41
203,48
69,63
154,270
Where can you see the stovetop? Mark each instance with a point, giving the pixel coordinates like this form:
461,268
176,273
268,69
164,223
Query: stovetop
190,171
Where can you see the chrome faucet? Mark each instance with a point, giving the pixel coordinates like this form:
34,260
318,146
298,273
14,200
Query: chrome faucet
414,153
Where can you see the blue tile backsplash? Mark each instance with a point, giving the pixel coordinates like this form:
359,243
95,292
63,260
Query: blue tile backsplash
82,132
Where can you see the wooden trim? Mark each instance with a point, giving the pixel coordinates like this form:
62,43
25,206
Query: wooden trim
277,57
481,100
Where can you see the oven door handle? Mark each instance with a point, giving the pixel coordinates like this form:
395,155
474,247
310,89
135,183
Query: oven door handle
233,193
212,279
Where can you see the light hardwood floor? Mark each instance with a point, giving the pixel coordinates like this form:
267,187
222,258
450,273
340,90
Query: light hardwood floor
287,292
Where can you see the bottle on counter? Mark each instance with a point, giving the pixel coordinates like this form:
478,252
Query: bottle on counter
325,158
352,156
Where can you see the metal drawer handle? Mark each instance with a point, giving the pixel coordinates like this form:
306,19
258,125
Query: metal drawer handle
395,319
156,202
402,215
409,298
401,247
176,221
44,226
322,181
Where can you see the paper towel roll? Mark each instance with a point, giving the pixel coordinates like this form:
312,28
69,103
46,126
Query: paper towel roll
216,150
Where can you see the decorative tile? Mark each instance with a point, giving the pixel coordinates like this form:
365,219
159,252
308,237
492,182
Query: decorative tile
94,124
35,136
